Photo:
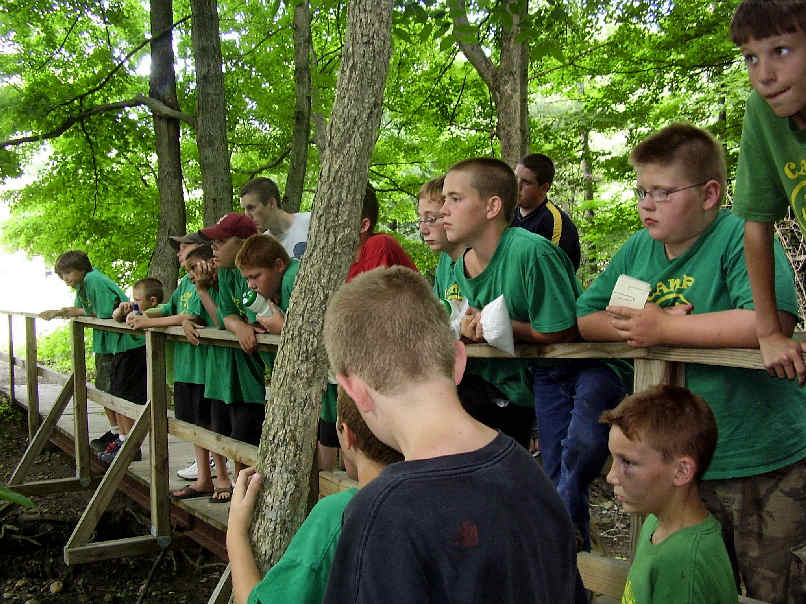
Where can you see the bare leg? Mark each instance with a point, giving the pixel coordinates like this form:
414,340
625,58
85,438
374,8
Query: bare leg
125,424
111,416
222,480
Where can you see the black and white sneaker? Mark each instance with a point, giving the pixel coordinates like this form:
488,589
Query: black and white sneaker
100,444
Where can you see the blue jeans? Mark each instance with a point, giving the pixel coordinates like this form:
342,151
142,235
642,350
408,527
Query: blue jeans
569,398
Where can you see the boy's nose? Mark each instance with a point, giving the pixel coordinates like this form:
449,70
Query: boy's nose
766,71
611,473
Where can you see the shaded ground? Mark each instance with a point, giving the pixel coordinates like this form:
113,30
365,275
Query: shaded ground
32,567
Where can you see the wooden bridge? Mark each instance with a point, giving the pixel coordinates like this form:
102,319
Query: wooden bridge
68,411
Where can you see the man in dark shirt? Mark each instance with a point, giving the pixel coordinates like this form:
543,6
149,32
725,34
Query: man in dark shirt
536,213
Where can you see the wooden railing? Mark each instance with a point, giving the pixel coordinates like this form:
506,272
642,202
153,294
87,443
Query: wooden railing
657,365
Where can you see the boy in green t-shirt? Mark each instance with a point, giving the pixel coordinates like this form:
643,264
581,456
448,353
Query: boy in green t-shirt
537,280
692,256
301,575
662,441
771,174
429,212
120,359
235,380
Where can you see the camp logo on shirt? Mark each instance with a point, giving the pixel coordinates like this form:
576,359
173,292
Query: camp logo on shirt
452,292
793,172
184,301
670,292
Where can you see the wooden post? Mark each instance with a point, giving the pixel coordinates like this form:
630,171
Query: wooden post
80,426
651,372
158,438
32,380
11,396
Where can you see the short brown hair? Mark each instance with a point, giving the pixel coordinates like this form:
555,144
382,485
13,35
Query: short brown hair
365,440
72,260
759,19
260,251
264,188
697,151
387,327
203,252
432,189
152,288
490,176
672,420
541,165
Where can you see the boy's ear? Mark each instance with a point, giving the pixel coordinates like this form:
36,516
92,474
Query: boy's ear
357,390
153,300
279,264
460,363
365,224
347,435
495,207
684,471
713,190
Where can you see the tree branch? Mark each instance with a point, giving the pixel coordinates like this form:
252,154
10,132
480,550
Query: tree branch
472,50
153,104
272,164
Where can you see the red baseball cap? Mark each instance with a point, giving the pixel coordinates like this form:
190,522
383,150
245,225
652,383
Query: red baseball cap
233,224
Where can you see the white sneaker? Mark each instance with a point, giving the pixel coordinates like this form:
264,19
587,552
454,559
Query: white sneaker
192,471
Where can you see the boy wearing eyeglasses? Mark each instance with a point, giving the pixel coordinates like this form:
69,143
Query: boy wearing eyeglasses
692,254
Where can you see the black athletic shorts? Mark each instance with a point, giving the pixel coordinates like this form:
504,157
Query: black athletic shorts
190,404
241,421
129,375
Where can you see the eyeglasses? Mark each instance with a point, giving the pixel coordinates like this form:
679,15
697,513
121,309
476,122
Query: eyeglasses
663,194
428,220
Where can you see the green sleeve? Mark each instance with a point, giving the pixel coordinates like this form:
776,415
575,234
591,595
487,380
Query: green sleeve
597,296
552,291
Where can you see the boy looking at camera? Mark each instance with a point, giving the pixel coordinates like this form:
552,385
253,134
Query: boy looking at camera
772,159
662,441
691,253
469,515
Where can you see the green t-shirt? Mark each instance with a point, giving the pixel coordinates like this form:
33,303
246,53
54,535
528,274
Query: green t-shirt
761,419
189,360
98,295
539,287
445,285
286,287
771,174
301,575
230,374
690,566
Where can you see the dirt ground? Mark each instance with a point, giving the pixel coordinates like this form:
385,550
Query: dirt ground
32,568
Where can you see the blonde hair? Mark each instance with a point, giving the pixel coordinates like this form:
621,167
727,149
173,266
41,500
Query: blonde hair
387,327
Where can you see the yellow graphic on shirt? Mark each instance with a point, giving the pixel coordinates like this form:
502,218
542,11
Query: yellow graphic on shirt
797,199
671,291
452,292
184,302
628,597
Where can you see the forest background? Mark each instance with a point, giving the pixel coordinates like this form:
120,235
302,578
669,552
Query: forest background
600,75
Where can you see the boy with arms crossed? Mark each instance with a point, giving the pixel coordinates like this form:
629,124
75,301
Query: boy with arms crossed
469,515
539,287
119,358
691,253
771,174
301,574
662,441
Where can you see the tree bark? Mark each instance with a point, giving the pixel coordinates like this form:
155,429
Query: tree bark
162,87
295,181
508,82
211,111
289,432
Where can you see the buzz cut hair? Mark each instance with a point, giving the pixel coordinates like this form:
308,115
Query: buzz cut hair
387,327
261,251
264,188
759,19
672,420
151,288
365,440
432,190
492,177
73,260
699,153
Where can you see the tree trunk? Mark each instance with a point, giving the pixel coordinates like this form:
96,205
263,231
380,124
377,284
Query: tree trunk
289,432
508,82
295,181
162,87
587,170
211,112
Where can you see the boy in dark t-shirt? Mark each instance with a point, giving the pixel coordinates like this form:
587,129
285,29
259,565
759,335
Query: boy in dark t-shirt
469,515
